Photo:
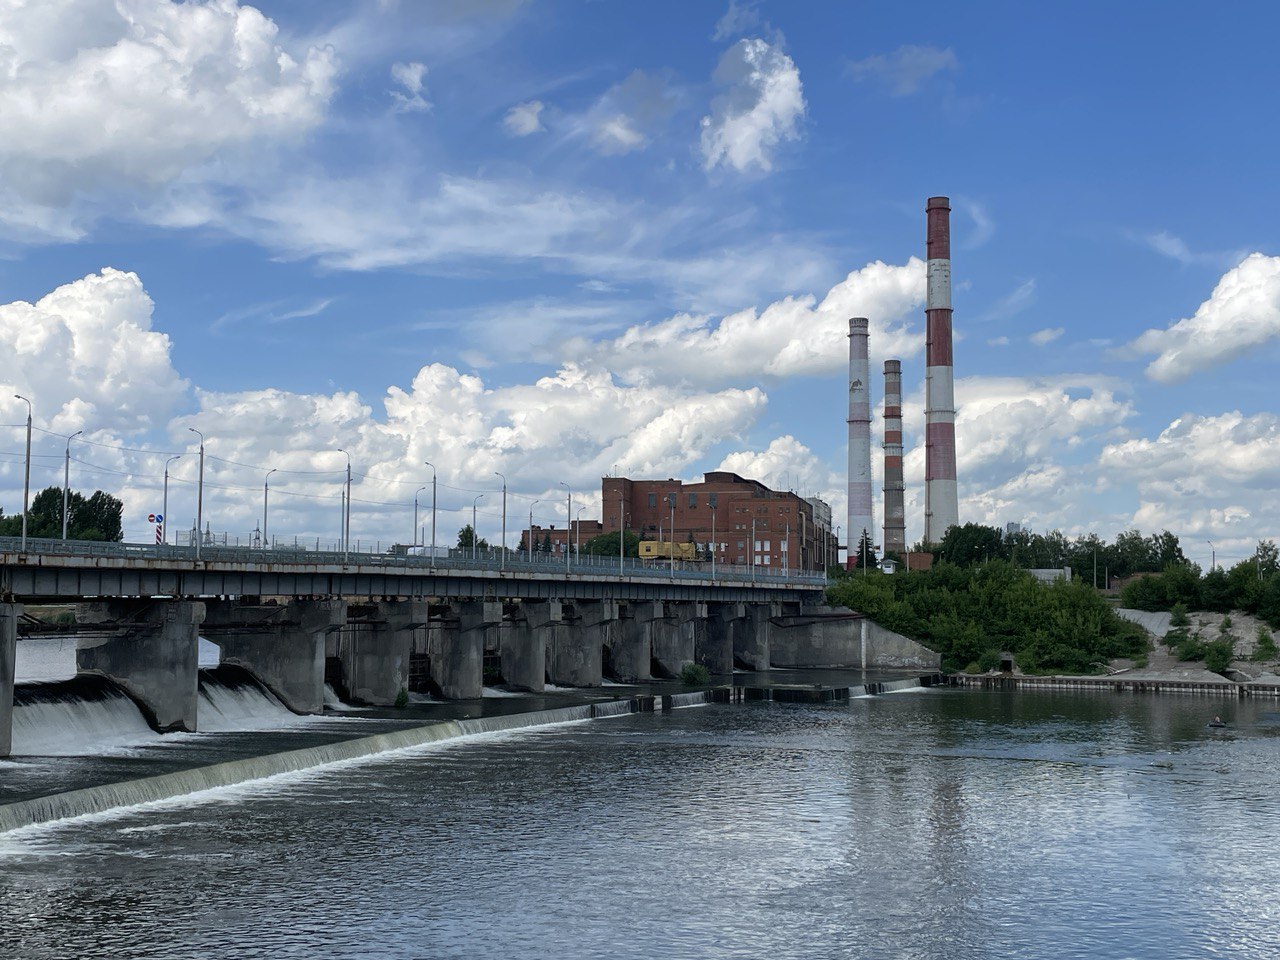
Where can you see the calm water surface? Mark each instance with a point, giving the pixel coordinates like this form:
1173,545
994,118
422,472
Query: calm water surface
931,825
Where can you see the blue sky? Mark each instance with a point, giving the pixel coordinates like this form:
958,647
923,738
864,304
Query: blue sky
558,239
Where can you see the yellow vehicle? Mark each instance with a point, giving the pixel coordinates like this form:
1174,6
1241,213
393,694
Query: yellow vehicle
664,549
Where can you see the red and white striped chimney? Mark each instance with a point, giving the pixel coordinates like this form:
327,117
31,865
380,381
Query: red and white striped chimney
895,524
941,501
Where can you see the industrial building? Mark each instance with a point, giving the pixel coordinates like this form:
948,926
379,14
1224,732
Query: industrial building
742,521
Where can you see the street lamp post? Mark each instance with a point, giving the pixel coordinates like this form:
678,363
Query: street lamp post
838,528
568,522
755,544
164,521
671,501
26,482
504,518
346,510
266,482
1213,556
577,536
66,482
474,538
433,511
713,543
786,556
531,506
199,495
622,532
415,514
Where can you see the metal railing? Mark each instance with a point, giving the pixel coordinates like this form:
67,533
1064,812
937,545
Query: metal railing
460,560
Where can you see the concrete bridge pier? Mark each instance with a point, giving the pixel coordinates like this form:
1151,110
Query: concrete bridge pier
675,639
457,650
713,646
751,636
9,614
283,646
574,653
525,641
154,655
631,653
375,660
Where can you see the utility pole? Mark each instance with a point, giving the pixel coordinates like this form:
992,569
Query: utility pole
199,495
504,519
26,478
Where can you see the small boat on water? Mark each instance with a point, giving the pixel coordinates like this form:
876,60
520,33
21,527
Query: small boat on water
1216,722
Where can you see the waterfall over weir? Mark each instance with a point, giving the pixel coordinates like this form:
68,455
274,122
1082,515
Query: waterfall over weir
89,715
83,715
98,799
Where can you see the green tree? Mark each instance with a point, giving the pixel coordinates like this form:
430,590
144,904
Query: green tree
970,543
97,517
865,553
606,545
546,542
467,538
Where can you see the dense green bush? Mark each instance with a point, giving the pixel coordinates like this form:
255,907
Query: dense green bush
966,612
695,675
1265,647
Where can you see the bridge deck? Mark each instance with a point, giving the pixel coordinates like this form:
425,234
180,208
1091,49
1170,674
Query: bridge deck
54,570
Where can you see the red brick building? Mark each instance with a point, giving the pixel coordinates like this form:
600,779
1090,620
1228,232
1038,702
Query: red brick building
752,524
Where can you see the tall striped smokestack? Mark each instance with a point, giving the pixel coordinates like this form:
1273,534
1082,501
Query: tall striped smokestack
941,503
860,520
895,524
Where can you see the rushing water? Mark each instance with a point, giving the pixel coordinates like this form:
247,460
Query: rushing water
928,825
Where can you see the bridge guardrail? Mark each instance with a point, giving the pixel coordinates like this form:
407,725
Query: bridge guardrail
582,565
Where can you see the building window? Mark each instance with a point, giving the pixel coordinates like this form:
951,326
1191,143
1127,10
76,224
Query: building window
653,499
785,545
741,544
712,500
693,500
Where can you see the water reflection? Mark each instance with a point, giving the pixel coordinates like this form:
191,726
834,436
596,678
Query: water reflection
956,825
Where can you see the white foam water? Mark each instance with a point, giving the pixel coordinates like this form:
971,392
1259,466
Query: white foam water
231,700
217,778
82,717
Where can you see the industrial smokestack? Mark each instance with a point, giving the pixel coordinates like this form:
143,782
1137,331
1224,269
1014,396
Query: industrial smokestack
941,503
895,524
860,521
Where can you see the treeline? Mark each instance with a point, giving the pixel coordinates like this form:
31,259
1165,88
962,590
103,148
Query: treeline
971,614
1087,556
98,516
1252,585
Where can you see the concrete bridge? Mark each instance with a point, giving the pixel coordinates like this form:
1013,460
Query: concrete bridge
374,625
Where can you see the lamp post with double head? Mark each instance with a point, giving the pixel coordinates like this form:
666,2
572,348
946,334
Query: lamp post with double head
66,483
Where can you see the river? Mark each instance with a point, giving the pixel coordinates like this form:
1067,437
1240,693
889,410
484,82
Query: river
936,824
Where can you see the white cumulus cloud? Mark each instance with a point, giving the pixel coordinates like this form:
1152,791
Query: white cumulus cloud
761,106
97,98
86,356
792,336
1242,313
1046,336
